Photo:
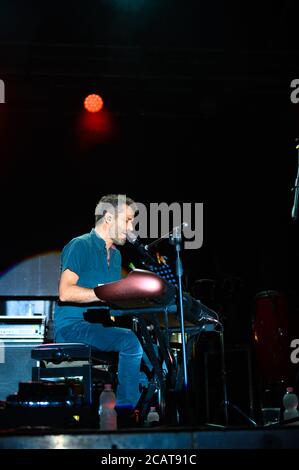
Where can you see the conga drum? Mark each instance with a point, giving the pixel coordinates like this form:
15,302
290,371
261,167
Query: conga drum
271,337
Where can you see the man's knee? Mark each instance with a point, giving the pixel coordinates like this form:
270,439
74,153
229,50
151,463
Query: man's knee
131,344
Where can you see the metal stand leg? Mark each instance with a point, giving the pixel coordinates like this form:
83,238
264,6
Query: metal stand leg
226,402
87,383
35,374
223,377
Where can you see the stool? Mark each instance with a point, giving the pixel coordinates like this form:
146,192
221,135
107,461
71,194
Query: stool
57,353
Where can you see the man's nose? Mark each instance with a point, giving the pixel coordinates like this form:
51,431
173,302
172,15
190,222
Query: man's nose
130,226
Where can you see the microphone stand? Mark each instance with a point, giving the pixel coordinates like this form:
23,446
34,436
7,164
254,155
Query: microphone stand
176,240
296,189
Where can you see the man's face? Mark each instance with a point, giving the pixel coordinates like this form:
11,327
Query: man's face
121,223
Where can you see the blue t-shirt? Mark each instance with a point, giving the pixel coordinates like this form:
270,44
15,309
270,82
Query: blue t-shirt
87,257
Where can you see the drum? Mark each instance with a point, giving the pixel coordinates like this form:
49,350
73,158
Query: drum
271,337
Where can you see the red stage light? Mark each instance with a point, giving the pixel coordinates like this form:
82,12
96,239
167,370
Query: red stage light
93,103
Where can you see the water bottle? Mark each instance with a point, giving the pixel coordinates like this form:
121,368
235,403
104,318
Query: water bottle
290,403
153,417
107,413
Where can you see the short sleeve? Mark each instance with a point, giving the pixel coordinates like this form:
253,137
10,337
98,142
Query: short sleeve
73,256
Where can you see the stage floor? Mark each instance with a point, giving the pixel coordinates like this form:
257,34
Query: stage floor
156,438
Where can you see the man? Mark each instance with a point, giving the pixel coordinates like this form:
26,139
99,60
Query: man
87,261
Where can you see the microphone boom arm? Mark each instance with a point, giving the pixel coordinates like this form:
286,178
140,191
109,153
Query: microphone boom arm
184,224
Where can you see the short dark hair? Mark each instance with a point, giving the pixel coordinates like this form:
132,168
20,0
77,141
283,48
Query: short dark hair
114,200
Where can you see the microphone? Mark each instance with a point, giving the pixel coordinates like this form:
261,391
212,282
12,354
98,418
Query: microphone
142,249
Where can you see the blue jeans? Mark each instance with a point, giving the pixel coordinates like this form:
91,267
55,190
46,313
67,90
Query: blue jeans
121,340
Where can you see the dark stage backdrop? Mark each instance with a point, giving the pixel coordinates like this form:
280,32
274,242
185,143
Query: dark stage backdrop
197,103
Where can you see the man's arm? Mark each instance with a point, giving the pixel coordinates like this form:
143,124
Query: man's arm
70,292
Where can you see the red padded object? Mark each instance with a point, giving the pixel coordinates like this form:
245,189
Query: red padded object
140,285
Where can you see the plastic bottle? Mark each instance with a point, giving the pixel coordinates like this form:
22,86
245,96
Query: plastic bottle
107,413
290,403
153,417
